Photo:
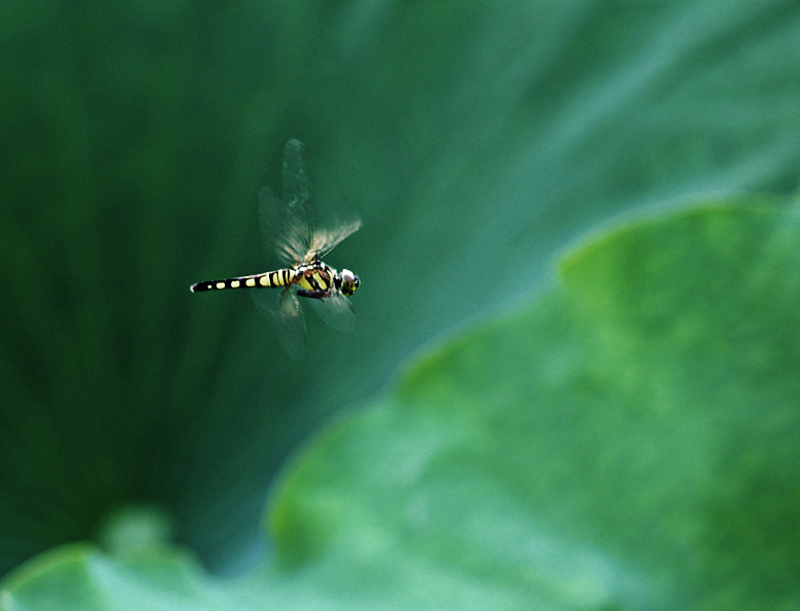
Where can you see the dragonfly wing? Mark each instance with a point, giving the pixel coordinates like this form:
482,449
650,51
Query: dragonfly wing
286,223
281,228
295,179
336,311
292,324
325,241
288,315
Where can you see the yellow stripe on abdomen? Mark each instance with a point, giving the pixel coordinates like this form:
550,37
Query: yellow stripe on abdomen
278,278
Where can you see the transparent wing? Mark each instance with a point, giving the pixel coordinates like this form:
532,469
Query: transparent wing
336,311
282,232
289,317
295,179
324,241
286,223
292,324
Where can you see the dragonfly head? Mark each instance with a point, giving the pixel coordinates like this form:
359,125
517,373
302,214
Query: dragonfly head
348,282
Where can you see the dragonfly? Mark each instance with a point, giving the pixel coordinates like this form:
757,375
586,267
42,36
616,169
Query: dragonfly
288,226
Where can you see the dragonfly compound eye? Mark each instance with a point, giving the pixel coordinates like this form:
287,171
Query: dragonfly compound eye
349,282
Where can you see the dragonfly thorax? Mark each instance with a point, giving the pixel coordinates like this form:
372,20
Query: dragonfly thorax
315,276
317,279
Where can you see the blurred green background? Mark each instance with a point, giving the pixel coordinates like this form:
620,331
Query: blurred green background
477,141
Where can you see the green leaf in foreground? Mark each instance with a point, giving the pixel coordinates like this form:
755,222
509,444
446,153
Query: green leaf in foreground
630,442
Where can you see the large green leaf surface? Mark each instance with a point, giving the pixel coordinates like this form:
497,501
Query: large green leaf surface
629,441
477,141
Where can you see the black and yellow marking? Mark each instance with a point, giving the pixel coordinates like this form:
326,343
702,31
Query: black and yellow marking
275,279
313,280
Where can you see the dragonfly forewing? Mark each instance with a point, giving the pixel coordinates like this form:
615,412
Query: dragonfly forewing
295,178
287,234
325,241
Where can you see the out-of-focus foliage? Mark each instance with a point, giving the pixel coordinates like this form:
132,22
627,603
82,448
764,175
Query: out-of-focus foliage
629,442
476,140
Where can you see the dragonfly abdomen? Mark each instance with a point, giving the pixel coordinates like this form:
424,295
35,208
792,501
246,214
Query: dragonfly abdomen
275,279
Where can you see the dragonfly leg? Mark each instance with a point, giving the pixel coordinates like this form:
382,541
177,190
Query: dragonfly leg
313,294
